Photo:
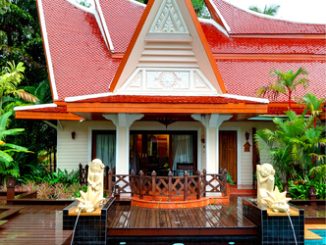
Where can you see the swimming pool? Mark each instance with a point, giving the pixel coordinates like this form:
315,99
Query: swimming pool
322,234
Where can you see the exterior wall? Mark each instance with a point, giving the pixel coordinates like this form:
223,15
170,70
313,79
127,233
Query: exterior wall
244,167
71,152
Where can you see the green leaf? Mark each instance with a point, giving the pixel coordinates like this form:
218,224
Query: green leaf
5,158
17,148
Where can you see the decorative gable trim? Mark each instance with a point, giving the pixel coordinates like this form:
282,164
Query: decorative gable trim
172,81
225,24
169,19
168,45
47,51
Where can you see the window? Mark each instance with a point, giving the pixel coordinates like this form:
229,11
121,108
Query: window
104,147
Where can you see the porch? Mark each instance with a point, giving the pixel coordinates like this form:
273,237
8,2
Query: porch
169,192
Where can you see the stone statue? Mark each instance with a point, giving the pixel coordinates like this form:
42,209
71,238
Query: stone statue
93,198
265,182
266,194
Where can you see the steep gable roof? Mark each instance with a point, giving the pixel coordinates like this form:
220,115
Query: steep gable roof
77,56
168,44
239,21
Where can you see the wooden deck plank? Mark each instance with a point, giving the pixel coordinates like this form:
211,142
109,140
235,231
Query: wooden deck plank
210,220
35,225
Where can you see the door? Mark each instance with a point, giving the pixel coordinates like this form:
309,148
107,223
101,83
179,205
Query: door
228,152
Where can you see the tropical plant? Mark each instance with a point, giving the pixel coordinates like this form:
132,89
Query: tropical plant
20,40
313,106
294,145
10,77
197,4
299,189
268,9
8,164
285,83
318,173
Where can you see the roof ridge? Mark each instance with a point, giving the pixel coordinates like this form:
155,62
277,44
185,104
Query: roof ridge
268,17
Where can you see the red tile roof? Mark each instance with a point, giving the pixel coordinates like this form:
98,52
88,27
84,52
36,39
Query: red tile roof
244,77
243,22
166,99
122,18
220,44
81,61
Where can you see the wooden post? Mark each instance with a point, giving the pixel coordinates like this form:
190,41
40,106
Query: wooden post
153,185
141,184
11,183
203,179
185,195
106,170
199,187
170,185
110,184
133,184
80,174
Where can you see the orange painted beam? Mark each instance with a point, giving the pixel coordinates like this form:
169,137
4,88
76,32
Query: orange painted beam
286,57
291,36
46,116
166,108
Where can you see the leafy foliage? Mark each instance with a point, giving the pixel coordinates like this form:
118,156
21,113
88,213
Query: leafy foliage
197,4
20,41
294,145
8,163
10,78
285,83
270,10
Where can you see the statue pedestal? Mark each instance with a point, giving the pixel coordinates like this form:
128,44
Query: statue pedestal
90,227
274,227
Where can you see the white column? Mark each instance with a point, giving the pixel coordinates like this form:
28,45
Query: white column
122,122
212,123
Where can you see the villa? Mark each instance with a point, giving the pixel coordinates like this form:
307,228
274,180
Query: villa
155,87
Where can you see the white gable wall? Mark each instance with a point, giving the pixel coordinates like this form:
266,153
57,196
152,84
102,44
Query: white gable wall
168,57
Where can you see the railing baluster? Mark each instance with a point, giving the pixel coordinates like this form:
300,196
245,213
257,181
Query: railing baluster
185,188
153,185
141,183
203,177
170,185
110,184
199,185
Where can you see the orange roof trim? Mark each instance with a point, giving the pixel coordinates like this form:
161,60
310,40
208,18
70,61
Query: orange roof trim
205,45
131,45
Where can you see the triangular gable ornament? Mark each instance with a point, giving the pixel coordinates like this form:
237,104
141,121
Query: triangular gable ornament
169,19
168,55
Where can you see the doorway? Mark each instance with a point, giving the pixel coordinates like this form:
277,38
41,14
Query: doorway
163,151
228,152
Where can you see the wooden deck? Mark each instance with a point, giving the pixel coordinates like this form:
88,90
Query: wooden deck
35,225
213,220
42,224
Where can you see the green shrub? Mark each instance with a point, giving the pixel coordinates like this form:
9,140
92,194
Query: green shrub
298,189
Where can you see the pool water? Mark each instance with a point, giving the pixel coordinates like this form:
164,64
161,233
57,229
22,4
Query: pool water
322,234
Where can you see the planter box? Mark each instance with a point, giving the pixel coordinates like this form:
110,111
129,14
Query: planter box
276,229
88,228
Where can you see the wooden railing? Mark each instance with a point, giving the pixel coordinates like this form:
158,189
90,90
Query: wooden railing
168,187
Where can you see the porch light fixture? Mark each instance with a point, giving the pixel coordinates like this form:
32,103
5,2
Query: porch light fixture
73,135
166,121
246,146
